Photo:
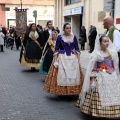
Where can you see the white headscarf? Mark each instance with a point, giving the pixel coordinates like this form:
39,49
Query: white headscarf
62,30
96,56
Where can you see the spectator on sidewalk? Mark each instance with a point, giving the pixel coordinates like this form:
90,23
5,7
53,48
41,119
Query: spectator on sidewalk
92,37
1,39
83,39
89,35
5,33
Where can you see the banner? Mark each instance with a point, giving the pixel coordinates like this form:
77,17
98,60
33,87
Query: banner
21,21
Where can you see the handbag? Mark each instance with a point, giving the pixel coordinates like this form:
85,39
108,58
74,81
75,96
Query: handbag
81,40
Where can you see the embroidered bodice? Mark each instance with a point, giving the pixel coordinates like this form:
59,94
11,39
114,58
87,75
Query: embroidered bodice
105,65
63,46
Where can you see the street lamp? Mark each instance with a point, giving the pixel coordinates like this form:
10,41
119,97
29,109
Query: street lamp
35,15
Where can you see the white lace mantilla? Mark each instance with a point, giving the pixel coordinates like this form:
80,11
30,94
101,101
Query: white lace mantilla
108,88
68,71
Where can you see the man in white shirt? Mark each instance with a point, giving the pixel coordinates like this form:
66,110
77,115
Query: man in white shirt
113,33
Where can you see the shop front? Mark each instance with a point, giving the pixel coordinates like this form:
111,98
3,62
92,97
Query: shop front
74,17
44,14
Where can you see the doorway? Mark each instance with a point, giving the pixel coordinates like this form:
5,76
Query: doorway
11,22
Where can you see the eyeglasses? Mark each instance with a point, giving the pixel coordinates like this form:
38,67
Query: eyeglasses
49,24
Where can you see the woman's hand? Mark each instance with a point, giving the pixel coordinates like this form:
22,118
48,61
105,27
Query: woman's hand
93,82
55,61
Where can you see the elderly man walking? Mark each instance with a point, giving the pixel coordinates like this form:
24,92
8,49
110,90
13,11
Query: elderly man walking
113,33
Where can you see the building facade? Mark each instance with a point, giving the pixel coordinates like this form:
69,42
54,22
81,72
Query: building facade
45,11
80,13
117,14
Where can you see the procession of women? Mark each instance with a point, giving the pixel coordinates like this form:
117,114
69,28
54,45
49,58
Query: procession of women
57,56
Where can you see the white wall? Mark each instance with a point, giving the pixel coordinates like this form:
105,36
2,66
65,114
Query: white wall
117,13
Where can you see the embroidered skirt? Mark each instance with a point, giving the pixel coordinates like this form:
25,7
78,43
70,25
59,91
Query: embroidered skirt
51,86
24,63
31,56
32,52
92,106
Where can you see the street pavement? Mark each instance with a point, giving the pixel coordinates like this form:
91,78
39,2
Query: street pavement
22,96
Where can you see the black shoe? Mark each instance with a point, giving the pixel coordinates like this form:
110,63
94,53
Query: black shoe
33,69
90,51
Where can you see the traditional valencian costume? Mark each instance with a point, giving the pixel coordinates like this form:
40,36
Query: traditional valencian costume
102,97
47,56
67,79
31,52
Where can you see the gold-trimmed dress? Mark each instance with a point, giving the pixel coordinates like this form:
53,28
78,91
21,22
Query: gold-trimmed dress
31,51
47,56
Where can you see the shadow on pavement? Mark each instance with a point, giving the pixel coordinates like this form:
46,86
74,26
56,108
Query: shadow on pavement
31,71
63,98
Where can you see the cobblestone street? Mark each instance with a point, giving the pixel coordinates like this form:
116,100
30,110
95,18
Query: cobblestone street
22,97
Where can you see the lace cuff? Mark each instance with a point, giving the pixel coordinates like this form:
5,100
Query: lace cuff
55,53
78,52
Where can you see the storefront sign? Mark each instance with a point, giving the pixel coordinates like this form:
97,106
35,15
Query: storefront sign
117,20
73,11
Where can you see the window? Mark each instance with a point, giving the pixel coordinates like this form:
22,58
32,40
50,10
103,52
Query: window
67,19
68,2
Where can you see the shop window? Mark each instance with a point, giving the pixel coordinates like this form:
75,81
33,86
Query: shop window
67,19
68,2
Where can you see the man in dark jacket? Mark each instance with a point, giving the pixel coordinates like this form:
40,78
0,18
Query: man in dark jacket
45,35
17,40
92,37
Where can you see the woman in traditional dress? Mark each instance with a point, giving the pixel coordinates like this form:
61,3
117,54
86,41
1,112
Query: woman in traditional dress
65,76
100,95
31,51
48,52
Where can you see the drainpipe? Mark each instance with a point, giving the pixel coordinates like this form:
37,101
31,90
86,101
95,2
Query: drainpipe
113,8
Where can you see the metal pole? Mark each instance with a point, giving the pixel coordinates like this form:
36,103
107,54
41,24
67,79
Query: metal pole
35,20
21,4
113,7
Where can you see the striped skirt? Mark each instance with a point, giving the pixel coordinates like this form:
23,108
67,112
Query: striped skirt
92,106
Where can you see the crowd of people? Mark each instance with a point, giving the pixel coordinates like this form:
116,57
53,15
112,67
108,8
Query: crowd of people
57,55
91,37
10,38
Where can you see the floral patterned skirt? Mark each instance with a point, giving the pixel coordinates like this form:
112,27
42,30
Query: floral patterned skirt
51,86
92,106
